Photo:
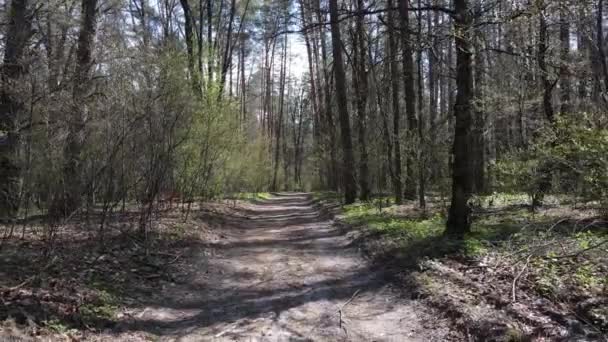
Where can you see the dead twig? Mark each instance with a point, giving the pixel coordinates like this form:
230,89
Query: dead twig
344,305
514,285
574,255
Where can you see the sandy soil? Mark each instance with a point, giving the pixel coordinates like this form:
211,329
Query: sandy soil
282,271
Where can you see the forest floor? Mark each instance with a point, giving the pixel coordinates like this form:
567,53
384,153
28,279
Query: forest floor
296,267
519,275
275,269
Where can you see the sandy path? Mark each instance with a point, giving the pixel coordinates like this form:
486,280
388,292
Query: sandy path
283,274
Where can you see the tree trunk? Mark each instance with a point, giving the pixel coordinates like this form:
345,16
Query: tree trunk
17,35
188,29
459,216
392,45
410,95
279,123
542,65
479,116
72,187
600,48
360,82
564,36
348,164
420,127
330,128
227,58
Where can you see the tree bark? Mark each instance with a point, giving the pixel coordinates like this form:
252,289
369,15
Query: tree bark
542,65
410,95
72,182
279,123
479,114
392,44
348,164
459,216
17,35
564,36
189,31
421,123
330,127
360,82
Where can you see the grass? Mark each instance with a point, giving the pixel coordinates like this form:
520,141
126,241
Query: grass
254,196
514,228
557,253
422,236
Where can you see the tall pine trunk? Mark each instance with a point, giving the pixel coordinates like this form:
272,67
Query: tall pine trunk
348,160
17,35
72,178
410,95
459,216
392,44
360,82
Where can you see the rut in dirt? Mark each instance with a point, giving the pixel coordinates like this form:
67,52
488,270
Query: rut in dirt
286,272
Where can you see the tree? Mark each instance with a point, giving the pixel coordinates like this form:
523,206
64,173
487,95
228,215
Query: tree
348,160
410,95
459,216
396,139
360,84
72,178
17,35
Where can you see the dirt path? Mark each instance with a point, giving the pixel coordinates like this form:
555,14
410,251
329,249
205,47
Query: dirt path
282,273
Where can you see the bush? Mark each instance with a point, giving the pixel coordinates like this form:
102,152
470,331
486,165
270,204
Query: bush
572,156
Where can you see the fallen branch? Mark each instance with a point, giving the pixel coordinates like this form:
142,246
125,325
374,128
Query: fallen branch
574,255
344,305
514,285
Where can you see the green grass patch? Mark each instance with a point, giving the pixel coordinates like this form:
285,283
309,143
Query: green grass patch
424,235
253,196
102,307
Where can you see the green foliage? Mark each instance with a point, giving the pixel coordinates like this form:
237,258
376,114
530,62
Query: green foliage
248,168
209,141
253,196
104,306
573,154
56,325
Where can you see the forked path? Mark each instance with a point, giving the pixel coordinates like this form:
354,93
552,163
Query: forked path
287,273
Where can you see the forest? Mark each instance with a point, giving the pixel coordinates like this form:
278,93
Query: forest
147,147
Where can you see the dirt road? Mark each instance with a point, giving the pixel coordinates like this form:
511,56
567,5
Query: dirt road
283,272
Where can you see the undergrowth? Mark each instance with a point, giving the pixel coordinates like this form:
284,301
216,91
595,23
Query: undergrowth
557,253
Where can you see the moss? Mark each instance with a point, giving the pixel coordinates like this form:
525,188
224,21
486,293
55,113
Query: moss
102,307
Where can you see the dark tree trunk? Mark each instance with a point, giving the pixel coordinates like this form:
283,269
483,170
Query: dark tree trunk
17,35
392,45
209,40
421,123
330,126
479,117
360,78
348,164
189,31
313,83
459,216
600,47
279,123
542,65
227,58
410,95
72,181
565,87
